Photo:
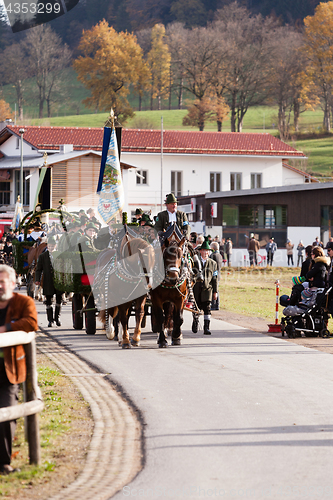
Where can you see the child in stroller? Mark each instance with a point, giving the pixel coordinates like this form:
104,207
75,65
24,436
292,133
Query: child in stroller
306,310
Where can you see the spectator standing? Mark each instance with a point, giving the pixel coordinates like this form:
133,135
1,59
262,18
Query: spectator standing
253,249
306,264
17,312
317,242
300,253
271,248
228,250
222,251
290,252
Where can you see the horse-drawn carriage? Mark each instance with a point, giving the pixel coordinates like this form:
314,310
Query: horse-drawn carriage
27,251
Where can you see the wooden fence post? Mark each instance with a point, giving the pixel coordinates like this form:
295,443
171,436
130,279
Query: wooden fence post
32,393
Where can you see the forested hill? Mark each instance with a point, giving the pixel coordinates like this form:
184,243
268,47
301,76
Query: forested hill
136,15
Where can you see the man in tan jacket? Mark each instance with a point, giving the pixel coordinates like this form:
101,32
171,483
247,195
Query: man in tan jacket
17,312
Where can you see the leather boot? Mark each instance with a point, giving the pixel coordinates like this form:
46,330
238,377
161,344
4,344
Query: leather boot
49,313
57,314
206,327
195,323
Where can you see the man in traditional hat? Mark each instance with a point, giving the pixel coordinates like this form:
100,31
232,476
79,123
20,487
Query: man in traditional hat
138,215
82,221
206,290
170,215
45,267
87,240
92,218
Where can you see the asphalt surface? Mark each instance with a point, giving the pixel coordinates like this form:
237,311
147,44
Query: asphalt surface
237,414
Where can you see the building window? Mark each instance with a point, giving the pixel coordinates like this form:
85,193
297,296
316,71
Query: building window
17,143
4,193
176,183
141,176
239,221
235,181
26,186
255,181
215,181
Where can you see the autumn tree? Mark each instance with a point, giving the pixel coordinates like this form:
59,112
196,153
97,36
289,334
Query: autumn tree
5,111
196,53
174,34
47,56
109,64
318,46
207,109
159,63
247,45
14,71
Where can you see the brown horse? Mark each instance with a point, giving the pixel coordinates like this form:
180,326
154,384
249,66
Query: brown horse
170,296
121,280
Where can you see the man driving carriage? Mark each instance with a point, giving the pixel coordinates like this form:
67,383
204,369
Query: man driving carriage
170,215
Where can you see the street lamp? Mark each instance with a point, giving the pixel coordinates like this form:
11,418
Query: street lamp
21,131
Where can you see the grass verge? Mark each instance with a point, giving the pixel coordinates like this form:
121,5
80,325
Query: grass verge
252,291
66,427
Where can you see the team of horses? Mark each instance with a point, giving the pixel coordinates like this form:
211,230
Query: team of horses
137,269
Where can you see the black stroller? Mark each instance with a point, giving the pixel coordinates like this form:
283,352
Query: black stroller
312,321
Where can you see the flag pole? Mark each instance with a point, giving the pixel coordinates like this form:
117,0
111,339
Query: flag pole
161,163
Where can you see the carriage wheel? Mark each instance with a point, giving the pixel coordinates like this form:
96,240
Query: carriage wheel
76,307
90,317
291,332
324,333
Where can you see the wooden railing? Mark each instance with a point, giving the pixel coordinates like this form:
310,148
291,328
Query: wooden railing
33,397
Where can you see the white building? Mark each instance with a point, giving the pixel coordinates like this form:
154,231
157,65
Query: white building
190,163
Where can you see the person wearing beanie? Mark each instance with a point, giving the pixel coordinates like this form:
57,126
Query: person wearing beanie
170,215
206,290
45,267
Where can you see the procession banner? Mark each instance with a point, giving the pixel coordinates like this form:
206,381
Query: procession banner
110,186
39,185
18,214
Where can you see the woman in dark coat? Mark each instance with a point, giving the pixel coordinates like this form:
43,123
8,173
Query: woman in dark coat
306,263
317,275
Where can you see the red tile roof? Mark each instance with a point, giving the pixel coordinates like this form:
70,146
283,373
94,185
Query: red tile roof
149,141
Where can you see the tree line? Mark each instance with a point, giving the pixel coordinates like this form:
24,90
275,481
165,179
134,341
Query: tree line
237,60
135,15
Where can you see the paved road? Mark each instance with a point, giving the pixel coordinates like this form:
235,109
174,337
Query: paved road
234,415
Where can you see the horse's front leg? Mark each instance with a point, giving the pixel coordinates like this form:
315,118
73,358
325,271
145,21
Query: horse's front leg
139,314
123,311
159,317
177,323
